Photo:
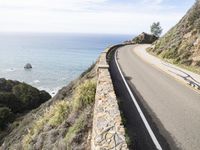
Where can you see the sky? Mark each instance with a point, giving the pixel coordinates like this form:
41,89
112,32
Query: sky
90,16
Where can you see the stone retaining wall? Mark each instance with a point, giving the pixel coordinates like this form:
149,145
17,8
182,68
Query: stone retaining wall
108,132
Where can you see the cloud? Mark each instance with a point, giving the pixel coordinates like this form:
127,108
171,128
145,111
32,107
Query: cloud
152,1
102,16
49,4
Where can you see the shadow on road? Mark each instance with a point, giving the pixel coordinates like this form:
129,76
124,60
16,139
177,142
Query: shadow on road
135,128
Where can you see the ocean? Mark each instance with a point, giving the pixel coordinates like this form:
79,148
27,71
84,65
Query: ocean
56,58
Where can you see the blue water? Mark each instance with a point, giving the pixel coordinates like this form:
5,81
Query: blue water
56,58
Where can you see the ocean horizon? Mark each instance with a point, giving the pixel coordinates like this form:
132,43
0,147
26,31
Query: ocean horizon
57,58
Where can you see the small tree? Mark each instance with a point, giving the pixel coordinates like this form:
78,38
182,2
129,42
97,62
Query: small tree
156,29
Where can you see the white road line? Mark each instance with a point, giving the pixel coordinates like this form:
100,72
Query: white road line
152,135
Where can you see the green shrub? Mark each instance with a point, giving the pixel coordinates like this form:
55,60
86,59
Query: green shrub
44,96
186,55
9,100
29,96
5,116
186,62
7,85
197,25
177,60
85,95
16,97
59,113
20,97
170,54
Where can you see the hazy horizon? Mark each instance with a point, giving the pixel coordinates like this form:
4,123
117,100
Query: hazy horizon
64,32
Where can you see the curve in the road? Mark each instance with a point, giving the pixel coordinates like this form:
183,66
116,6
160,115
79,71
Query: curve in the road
148,128
173,107
139,136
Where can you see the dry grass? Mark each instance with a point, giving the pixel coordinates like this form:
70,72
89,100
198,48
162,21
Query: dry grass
84,96
178,45
75,129
53,116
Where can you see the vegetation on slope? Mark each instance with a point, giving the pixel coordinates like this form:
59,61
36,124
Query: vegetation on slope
16,97
181,45
61,112
65,122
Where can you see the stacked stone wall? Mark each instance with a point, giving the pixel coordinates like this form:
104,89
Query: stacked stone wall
108,132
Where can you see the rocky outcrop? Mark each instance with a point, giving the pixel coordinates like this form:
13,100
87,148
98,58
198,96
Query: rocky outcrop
143,38
28,66
108,131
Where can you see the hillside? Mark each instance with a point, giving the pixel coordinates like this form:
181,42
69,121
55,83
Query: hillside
64,122
181,45
17,98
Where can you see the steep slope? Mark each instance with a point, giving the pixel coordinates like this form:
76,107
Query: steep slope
64,122
181,45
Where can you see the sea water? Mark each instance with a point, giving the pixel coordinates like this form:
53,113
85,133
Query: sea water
56,58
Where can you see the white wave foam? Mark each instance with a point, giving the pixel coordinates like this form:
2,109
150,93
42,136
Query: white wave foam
52,92
10,70
36,81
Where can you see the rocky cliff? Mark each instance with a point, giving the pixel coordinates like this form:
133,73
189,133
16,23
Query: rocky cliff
181,45
144,38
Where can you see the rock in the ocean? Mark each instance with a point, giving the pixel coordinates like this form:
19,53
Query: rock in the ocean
28,66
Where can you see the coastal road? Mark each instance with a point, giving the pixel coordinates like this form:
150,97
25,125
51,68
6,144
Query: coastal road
171,108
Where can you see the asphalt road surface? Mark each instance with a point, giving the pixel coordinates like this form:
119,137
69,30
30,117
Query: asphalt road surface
173,107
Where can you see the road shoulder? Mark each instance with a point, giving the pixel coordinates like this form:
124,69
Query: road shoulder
186,77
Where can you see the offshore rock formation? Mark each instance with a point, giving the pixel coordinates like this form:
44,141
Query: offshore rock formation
28,66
